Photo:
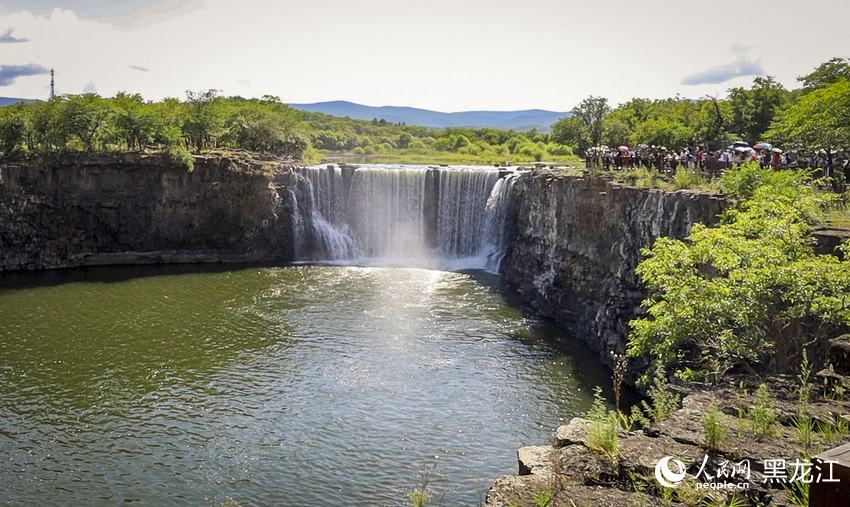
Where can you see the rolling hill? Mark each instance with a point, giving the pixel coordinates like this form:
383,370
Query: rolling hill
516,120
7,101
522,120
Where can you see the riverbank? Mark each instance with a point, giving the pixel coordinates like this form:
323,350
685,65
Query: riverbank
572,470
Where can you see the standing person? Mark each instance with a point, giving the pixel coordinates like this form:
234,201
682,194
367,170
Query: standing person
776,159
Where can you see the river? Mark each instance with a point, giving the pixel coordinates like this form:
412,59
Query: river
296,385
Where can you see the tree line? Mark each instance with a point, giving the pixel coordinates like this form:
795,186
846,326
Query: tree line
126,122
816,115
333,133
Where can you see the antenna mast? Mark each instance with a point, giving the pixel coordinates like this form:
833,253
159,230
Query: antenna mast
52,88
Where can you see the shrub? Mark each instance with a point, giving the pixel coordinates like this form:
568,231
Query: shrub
721,298
179,156
664,400
687,178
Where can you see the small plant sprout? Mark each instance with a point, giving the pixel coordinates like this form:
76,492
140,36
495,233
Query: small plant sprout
713,429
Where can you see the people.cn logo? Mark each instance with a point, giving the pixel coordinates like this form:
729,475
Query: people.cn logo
667,477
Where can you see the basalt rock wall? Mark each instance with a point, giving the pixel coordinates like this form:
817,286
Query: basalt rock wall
577,243
133,209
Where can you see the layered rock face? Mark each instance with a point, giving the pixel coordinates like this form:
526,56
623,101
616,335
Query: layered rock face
131,209
577,243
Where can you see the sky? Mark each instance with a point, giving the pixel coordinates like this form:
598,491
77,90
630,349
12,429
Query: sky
447,55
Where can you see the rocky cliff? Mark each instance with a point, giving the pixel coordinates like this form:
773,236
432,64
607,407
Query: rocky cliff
133,209
577,243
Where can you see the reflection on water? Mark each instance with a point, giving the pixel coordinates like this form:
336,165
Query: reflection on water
299,385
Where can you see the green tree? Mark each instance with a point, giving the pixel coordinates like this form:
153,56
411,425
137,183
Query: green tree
203,121
662,132
724,297
570,131
617,132
404,140
134,123
820,118
829,72
753,110
591,112
84,117
13,131
767,97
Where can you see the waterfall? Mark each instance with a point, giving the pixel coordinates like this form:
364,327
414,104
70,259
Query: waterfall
497,213
319,230
387,212
453,218
461,218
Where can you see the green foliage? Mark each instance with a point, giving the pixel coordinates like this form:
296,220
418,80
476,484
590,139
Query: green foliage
543,498
831,71
180,157
591,113
662,132
742,181
261,126
804,428
643,177
419,498
761,416
821,118
126,122
687,178
797,493
602,432
203,119
354,140
832,432
663,400
721,298
571,131
12,131
714,430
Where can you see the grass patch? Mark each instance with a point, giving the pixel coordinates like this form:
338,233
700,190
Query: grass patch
713,429
761,417
602,432
425,156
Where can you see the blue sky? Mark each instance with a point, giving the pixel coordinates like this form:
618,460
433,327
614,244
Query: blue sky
439,54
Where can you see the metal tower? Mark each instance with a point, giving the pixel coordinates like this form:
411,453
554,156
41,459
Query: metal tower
52,88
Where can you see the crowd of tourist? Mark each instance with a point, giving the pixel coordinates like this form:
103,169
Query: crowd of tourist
711,162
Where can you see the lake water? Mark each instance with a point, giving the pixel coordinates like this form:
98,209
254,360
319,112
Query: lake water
297,385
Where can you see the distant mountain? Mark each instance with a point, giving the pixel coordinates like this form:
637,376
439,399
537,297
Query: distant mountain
8,101
515,120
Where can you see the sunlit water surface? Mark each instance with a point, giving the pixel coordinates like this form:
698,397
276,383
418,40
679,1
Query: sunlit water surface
300,385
